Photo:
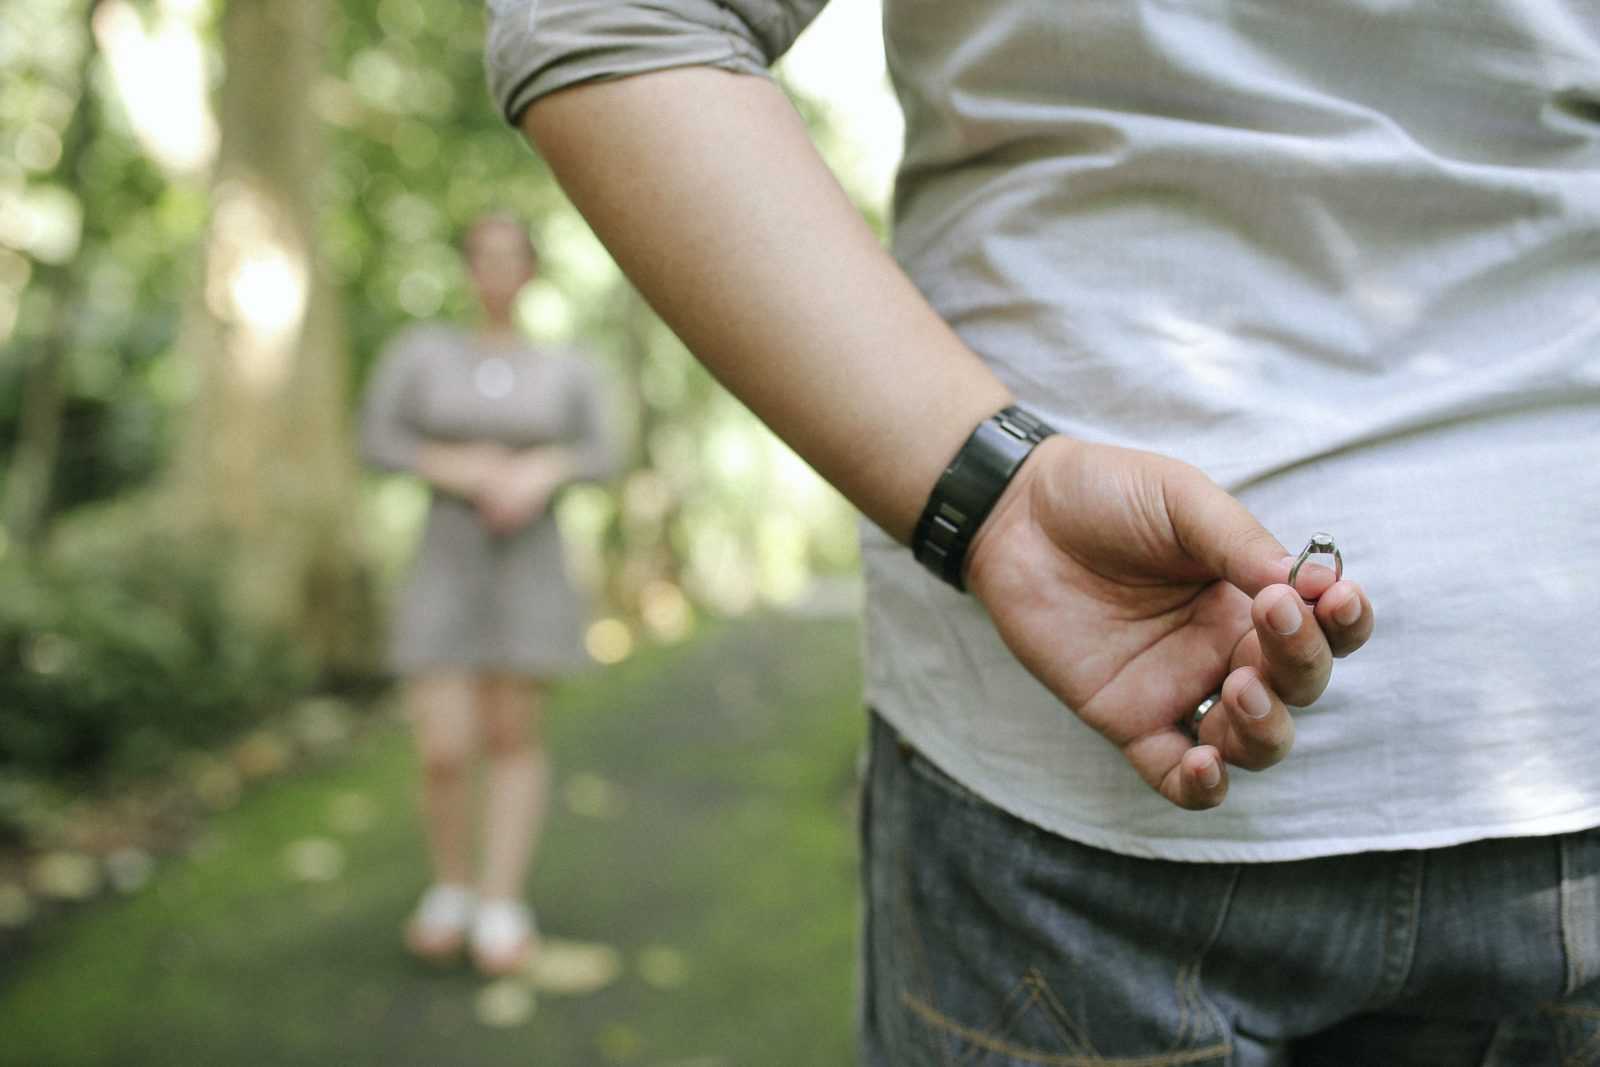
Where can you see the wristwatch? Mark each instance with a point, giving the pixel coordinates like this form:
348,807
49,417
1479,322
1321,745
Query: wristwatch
967,490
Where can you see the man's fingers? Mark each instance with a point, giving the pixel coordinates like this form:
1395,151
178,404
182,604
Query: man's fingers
1189,775
1296,661
1252,727
1313,580
1345,615
1198,781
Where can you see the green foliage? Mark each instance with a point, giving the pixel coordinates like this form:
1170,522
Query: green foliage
117,659
98,253
711,508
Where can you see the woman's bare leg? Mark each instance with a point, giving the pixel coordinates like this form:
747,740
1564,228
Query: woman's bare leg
442,708
509,710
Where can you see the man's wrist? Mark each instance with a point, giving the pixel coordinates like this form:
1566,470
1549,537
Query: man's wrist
969,488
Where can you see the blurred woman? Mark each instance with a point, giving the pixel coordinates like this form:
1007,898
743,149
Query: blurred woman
495,427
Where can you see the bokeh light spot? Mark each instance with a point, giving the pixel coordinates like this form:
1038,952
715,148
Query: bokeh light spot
609,641
37,147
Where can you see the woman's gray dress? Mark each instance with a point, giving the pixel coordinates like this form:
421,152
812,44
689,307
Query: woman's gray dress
476,600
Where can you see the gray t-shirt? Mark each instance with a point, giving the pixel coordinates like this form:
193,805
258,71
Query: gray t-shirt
1342,255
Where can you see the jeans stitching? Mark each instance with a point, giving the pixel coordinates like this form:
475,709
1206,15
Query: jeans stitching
1197,964
918,767
1008,1015
1061,1020
913,937
918,997
1400,925
938,1020
1181,991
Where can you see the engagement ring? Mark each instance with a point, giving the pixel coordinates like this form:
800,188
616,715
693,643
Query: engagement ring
1321,544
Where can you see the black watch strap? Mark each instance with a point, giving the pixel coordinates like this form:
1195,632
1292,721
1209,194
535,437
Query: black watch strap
968,488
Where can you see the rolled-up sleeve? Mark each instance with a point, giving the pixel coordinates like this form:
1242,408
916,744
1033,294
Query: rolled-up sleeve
390,438
538,46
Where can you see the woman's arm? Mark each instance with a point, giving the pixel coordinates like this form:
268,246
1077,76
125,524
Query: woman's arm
461,469
392,441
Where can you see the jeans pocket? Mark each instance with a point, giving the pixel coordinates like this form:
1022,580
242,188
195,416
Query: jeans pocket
996,943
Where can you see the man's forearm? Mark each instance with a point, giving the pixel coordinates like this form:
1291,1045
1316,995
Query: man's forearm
706,188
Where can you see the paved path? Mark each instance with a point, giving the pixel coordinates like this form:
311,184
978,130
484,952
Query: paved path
697,885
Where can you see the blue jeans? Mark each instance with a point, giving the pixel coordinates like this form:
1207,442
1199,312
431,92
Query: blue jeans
990,942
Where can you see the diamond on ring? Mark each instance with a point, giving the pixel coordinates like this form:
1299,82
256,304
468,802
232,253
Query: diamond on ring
1321,544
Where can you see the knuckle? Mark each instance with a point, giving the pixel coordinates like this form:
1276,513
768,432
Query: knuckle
1266,748
1303,690
1304,653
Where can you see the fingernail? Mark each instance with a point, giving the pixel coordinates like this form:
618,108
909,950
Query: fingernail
1211,775
1284,616
1254,700
1349,611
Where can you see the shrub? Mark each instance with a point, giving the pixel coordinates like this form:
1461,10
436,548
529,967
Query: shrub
116,660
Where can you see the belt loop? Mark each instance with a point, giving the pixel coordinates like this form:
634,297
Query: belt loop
1580,908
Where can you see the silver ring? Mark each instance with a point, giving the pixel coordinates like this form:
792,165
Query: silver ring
1202,710
1321,544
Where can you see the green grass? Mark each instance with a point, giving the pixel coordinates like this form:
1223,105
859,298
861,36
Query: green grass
734,848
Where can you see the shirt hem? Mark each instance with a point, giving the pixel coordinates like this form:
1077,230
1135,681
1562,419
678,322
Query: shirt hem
1229,850
1199,849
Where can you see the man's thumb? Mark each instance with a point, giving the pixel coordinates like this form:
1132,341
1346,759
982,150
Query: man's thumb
1218,531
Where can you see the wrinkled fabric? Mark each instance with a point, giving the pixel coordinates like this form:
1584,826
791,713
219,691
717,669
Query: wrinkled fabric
1484,953
1343,256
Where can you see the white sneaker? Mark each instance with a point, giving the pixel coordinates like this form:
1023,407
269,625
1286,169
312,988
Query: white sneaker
504,937
438,928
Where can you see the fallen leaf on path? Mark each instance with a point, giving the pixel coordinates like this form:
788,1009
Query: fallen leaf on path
574,968
314,859
65,876
503,1003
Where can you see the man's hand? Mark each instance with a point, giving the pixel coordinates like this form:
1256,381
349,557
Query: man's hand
1132,585
519,490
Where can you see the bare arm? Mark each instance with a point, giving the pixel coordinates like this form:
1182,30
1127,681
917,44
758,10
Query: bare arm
706,188
1128,583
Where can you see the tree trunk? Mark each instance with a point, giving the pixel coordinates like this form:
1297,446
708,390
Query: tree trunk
264,461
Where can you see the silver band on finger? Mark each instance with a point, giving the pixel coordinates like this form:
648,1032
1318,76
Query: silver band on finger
1321,544
1202,710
